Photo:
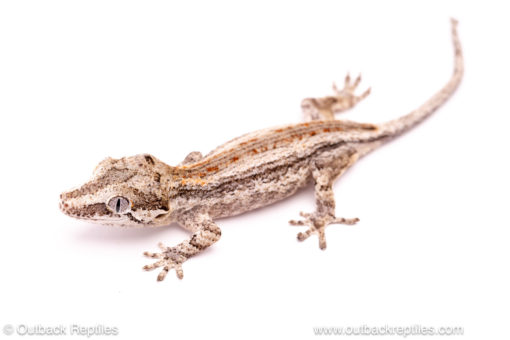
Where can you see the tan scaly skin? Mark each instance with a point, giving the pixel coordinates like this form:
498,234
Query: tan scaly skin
246,173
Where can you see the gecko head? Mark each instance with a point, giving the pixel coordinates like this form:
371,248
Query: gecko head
131,191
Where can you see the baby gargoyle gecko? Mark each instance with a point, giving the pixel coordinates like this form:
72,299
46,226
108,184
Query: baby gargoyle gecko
246,173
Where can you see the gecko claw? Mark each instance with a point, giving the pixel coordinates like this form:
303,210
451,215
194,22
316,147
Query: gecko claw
318,226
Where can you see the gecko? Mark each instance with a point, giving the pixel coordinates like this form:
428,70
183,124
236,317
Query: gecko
246,173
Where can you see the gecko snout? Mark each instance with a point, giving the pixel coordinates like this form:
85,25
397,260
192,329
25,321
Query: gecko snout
63,205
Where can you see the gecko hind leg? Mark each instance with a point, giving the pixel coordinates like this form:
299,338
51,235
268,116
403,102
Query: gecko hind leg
324,108
324,172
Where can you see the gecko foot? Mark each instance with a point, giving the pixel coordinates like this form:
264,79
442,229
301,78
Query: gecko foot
318,225
325,108
346,98
169,258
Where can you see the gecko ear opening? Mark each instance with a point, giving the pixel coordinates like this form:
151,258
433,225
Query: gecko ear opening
119,205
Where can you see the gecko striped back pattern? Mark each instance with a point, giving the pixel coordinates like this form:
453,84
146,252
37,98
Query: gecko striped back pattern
246,173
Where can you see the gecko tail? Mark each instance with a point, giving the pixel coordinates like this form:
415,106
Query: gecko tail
400,125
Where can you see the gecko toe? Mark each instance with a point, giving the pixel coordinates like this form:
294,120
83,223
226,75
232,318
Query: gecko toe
162,273
304,214
305,235
341,220
297,223
154,265
179,272
162,246
322,238
152,255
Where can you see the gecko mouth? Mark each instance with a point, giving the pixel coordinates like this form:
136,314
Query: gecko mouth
134,219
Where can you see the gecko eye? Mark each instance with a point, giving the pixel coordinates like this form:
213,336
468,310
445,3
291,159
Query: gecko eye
118,204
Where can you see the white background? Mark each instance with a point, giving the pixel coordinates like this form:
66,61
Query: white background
82,80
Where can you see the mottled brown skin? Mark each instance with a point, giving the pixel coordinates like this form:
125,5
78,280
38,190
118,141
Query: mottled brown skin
243,174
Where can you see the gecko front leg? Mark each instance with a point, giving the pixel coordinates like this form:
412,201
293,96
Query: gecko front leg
205,233
325,170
